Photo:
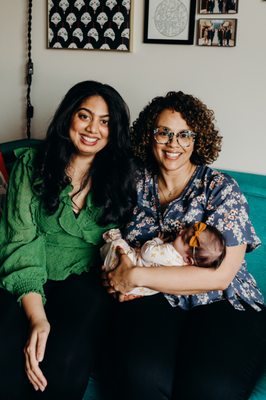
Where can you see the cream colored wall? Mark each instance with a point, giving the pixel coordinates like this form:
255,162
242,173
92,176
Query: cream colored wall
229,80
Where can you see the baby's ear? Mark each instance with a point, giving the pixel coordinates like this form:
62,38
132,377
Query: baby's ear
189,260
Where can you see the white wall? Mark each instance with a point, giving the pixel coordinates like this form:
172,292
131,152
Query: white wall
229,80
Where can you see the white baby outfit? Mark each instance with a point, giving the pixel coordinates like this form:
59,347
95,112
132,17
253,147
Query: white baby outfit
153,253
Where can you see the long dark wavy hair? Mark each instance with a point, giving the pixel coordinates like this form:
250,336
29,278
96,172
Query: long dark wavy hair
199,118
112,171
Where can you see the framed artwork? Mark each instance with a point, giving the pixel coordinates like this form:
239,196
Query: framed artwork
218,6
217,32
169,21
90,24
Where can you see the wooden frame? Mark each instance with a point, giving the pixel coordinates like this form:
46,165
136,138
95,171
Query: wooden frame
169,22
217,32
90,24
218,7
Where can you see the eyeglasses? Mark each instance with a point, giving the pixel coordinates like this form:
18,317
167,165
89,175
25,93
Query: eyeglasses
164,136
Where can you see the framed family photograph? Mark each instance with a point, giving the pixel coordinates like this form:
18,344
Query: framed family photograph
217,32
169,21
218,6
90,24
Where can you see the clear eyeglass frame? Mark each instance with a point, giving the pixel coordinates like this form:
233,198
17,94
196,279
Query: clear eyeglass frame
164,136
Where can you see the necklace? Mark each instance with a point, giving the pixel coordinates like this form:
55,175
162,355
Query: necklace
170,193
167,197
78,197
176,190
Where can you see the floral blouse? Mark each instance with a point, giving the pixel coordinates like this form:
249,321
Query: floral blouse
212,197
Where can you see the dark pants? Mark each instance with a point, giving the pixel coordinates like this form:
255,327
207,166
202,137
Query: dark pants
158,352
78,310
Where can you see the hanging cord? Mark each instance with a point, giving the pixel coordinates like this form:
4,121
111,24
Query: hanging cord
29,73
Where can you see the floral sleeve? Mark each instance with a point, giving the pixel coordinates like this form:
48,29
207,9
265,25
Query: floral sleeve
228,210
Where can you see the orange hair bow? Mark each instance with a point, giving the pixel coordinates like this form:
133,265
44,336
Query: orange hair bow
198,228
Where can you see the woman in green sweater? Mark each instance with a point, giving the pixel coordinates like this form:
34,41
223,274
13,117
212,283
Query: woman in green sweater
60,200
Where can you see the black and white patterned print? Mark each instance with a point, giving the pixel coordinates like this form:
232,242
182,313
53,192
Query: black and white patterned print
89,24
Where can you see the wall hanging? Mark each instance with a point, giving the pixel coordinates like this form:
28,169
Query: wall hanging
217,32
29,73
90,24
218,6
169,21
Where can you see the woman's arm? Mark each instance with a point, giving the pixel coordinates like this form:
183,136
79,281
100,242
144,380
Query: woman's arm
23,261
183,280
22,248
35,347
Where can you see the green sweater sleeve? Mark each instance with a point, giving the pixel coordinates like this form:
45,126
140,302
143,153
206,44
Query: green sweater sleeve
22,253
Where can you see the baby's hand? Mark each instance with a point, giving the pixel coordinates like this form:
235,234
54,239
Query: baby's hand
162,237
127,297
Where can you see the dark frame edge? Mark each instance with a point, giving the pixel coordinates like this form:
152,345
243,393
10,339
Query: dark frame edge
191,28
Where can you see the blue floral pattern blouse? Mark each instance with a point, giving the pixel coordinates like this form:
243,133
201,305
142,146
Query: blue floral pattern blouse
212,197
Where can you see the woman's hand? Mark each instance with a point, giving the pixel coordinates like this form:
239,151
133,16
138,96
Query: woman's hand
121,278
34,352
35,347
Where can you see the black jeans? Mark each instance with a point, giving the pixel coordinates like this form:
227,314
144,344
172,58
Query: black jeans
78,310
211,352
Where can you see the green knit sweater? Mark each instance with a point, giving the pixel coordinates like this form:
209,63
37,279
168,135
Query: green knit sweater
34,246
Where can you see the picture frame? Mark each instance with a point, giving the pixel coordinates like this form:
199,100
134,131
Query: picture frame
217,32
169,22
90,24
218,6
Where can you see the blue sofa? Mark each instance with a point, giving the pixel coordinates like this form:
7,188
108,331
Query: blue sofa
254,188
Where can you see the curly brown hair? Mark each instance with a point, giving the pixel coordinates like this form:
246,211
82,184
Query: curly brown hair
199,118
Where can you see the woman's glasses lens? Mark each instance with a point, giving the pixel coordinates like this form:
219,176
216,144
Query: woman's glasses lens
164,136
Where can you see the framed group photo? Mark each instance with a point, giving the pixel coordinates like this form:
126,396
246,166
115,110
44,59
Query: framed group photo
169,21
90,24
217,32
218,6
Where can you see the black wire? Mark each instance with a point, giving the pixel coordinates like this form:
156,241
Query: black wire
29,109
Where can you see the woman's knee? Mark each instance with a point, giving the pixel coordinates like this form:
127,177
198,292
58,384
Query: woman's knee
142,378
214,385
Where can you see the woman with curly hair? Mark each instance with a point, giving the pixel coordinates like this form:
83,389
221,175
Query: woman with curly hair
61,199
204,335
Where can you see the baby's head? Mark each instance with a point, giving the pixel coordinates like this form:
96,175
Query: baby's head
201,245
